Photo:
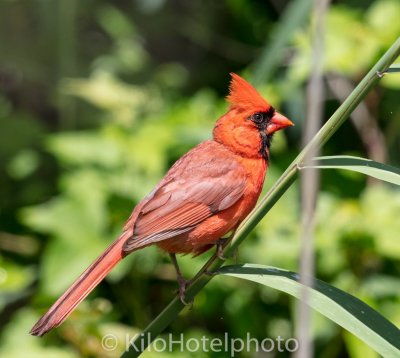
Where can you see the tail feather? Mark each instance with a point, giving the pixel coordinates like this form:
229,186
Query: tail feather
86,282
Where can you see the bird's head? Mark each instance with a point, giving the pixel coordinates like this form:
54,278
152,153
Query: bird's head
248,126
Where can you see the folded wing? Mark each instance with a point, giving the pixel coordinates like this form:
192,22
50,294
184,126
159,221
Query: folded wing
198,191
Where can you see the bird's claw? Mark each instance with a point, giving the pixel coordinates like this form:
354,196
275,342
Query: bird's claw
183,284
220,249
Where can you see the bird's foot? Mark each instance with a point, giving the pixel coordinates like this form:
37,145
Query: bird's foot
183,284
220,248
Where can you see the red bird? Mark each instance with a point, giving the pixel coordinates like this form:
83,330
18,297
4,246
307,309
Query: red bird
205,195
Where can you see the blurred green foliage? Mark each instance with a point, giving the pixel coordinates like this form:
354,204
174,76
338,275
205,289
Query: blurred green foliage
93,113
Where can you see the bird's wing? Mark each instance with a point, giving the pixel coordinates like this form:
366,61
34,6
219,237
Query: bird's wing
197,191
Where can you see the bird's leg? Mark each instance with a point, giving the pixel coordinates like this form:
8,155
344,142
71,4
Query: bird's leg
182,282
221,245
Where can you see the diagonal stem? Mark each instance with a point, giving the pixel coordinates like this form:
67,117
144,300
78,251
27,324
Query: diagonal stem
161,322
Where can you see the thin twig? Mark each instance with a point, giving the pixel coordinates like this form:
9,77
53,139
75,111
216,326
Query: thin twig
310,180
365,124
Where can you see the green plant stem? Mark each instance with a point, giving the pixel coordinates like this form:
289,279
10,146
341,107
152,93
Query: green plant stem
294,16
161,322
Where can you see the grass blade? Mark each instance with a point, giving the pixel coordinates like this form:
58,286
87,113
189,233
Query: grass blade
365,166
395,68
339,306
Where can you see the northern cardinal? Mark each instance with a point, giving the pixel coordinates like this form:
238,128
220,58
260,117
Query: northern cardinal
205,195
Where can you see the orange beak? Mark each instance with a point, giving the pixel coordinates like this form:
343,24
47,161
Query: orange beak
278,121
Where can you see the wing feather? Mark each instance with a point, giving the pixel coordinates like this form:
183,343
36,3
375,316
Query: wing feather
194,190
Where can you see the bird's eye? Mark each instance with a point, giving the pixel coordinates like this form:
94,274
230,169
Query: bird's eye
257,118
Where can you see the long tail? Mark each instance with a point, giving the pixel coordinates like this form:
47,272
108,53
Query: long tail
86,282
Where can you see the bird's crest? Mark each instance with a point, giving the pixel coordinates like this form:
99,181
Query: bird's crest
243,95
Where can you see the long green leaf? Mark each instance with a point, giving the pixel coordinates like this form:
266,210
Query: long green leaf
339,306
395,68
366,166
